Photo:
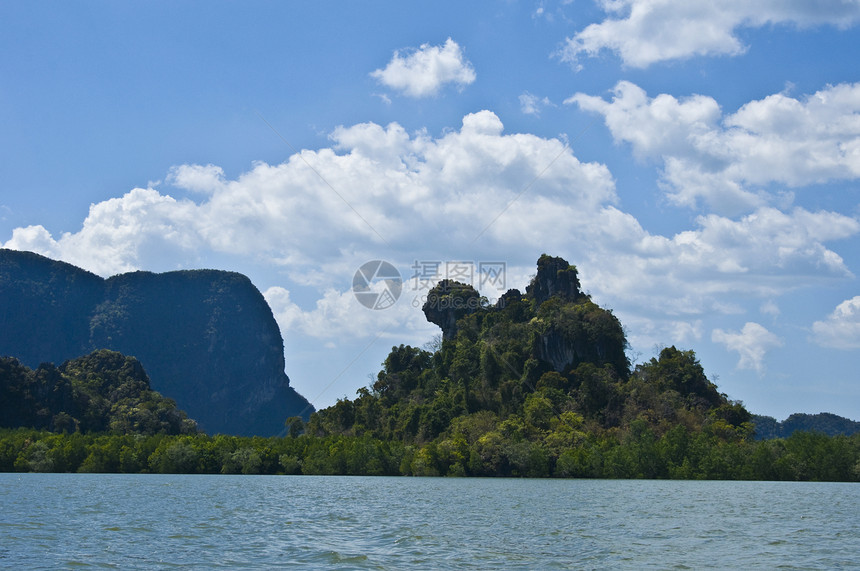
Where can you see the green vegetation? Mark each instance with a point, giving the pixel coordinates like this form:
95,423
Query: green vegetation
537,385
636,453
101,392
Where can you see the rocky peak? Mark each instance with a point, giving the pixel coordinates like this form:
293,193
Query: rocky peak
509,297
555,277
447,302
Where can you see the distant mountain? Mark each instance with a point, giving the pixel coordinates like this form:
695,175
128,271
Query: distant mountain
767,427
207,338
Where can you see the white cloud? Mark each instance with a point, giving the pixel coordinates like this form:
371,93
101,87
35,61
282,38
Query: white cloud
338,314
198,178
751,343
35,239
315,218
707,269
643,32
424,71
730,161
531,104
320,207
135,231
841,329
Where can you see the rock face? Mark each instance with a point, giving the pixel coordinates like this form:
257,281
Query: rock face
556,350
206,338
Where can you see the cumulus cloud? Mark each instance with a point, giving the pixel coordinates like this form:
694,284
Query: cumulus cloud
730,161
661,286
752,344
337,314
35,239
643,32
122,234
379,192
424,71
322,205
841,329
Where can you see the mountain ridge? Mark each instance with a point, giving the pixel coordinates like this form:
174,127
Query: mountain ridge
767,427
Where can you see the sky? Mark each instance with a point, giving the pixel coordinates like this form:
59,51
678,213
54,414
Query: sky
698,162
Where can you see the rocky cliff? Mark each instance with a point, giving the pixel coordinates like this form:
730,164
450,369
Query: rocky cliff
206,338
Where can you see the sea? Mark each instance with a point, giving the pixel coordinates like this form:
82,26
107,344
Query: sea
80,521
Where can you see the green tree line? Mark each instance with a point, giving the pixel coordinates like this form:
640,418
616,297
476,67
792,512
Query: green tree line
634,453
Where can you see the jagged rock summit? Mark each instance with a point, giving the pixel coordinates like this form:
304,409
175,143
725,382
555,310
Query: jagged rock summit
555,277
207,338
565,326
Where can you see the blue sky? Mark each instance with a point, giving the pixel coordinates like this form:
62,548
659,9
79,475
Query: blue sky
699,163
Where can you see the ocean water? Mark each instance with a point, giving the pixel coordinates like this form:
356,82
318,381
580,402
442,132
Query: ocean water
57,521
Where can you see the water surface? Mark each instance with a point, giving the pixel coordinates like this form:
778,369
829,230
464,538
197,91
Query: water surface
50,521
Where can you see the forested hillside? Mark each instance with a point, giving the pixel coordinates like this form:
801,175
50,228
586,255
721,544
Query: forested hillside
101,392
535,380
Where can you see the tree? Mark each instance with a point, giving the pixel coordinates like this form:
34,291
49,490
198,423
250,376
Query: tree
295,426
681,371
